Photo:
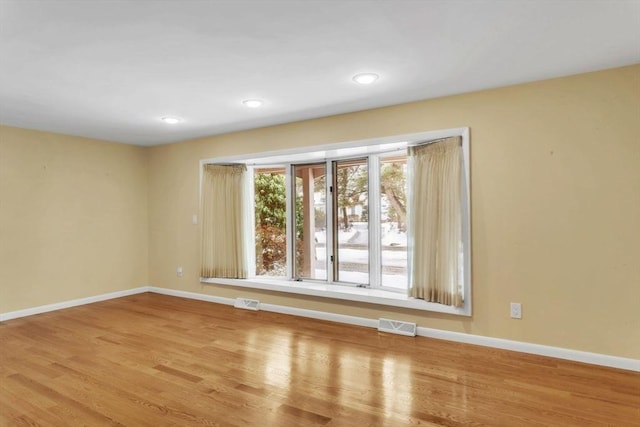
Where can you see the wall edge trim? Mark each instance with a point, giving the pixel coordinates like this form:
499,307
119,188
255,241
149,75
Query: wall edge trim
501,343
70,303
536,349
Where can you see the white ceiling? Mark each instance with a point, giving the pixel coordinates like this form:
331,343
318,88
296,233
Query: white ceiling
109,69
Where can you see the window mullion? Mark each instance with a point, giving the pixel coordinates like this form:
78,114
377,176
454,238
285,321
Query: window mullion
373,211
290,212
331,229
252,207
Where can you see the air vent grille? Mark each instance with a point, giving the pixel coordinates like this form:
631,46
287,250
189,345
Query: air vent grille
397,327
247,304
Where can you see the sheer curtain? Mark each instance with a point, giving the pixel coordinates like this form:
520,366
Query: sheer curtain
435,221
225,222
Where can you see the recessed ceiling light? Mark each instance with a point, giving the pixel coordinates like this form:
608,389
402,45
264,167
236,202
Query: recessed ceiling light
252,103
171,120
365,78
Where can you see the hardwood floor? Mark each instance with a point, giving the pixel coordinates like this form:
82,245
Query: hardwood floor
154,360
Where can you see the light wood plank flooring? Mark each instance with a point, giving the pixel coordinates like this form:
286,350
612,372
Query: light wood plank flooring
154,360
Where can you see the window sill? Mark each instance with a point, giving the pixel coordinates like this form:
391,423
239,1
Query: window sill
372,296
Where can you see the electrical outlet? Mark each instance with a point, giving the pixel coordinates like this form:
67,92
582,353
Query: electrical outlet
516,310
179,272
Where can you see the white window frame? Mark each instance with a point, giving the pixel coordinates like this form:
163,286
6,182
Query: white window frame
376,293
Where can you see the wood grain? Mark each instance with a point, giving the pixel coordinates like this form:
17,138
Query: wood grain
155,360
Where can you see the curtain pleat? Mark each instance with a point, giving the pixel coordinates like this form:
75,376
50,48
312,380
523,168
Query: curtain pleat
435,221
224,228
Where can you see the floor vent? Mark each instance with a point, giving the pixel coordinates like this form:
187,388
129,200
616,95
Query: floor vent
247,304
397,327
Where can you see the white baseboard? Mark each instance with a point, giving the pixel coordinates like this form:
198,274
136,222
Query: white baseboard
321,315
537,349
192,295
71,303
518,346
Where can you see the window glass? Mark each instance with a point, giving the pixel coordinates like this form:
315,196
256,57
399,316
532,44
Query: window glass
270,221
310,221
351,223
393,221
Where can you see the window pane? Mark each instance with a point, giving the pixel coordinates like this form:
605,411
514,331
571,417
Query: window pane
310,222
393,221
271,221
351,221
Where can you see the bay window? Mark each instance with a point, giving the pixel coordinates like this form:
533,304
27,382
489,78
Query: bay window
357,217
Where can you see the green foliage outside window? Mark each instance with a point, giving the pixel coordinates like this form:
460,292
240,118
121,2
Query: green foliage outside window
271,221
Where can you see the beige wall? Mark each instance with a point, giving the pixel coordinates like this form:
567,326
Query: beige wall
555,207
555,210
73,218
